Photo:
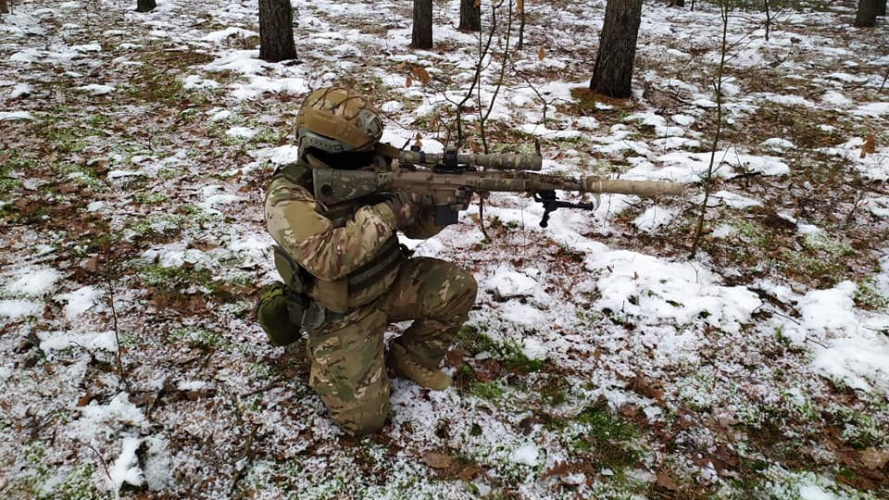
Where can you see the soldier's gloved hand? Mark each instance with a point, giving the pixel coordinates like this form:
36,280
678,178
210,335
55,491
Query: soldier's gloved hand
404,207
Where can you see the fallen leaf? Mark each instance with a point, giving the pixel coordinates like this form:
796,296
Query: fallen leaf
869,146
527,425
541,54
665,481
558,469
455,357
421,74
520,5
437,460
724,458
203,245
628,411
873,459
85,399
92,264
408,82
470,472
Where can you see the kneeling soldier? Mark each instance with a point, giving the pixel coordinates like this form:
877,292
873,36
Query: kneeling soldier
345,275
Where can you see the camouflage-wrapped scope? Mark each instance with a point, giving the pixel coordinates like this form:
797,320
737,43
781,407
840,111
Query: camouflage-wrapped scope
452,159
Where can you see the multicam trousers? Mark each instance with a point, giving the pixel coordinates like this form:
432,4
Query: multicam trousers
347,361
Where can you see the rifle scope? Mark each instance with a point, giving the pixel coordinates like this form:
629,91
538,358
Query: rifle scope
451,159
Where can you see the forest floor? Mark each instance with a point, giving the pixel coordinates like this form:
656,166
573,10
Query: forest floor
600,360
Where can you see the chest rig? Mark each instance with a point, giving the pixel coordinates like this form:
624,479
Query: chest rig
359,287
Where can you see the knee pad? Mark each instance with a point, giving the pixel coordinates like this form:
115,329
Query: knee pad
464,298
273,313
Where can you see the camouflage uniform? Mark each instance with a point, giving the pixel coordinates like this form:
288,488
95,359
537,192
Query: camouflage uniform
350,257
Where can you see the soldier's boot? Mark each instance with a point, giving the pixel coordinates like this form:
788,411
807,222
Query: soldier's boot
408,366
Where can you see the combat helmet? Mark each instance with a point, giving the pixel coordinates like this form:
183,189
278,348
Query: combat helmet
338,120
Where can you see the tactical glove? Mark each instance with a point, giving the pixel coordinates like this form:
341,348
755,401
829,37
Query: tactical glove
404,208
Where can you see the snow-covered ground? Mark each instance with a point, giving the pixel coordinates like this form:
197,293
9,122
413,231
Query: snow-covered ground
600,362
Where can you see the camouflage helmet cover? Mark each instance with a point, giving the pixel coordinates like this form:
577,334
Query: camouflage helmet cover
338,120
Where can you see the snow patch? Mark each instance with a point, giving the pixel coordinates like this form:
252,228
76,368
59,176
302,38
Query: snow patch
655,291
655,217
195,82
14,309
241,132
119,409
21,90
778,144
57,341
218,36
814,492
724,231
508,283
220,114
96,89
836,99
687,167
15,115
33,281
526,454
126,468
875,109
79,301
731,200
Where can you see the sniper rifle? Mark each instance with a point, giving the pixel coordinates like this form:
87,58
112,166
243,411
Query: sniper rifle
446,182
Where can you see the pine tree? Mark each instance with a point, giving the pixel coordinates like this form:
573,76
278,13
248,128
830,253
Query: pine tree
276,31
867,13
613,72
470,15
145,5
421,37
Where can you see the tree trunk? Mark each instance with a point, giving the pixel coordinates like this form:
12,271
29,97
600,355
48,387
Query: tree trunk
520,5
470,15
276,31
867,13
768,25
421,37
613,72
881,8
145,5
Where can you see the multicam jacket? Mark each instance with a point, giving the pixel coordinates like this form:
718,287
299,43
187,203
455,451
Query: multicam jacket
349,251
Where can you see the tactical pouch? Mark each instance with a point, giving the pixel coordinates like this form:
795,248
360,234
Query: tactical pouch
333,294
280,313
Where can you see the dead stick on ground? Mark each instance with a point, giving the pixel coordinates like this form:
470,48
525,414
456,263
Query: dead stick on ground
101,460
247,454
117,358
